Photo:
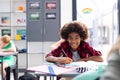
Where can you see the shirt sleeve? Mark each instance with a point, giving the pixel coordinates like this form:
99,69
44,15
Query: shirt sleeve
91,51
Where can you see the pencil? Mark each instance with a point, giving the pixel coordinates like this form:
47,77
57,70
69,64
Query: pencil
64,53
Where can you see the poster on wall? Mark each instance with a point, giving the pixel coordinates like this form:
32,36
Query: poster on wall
21,34
34,16
51,5
5,20
34,5
5,32
20,8
50,15
20,21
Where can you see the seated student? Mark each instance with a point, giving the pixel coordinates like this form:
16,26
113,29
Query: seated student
6,45
112,70
74,47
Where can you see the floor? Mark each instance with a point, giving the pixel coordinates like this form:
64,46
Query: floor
22,73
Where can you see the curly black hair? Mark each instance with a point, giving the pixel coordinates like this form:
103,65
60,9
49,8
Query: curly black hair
74,26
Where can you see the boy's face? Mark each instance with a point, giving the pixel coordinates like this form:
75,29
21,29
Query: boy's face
74,40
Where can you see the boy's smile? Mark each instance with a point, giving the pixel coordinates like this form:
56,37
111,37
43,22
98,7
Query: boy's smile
74,40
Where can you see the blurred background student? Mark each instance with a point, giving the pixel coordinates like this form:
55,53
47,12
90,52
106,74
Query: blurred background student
112,71
6,45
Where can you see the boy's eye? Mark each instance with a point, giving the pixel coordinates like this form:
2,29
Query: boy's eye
77,37
73,38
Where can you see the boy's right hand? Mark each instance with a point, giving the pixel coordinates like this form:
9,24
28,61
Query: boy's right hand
64,60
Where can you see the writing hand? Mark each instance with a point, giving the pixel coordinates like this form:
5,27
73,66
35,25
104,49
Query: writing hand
64,60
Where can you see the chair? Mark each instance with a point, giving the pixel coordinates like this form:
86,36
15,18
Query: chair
13,68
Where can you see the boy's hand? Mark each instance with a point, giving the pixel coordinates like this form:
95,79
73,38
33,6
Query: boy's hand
64,60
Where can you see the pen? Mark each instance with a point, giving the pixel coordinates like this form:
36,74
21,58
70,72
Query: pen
64,53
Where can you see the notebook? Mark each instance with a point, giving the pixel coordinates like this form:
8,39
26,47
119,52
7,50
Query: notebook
51,69
86,66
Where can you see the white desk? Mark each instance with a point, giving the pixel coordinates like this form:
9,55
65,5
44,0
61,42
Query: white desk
71,73
2,55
